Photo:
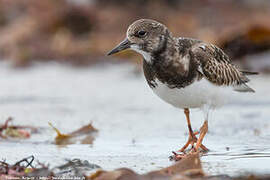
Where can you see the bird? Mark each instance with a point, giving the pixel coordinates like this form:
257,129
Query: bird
186,73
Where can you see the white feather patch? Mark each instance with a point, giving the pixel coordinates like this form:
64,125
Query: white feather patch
196,95
145,55
185,60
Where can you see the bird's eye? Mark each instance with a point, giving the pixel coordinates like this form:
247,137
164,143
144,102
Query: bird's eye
141,33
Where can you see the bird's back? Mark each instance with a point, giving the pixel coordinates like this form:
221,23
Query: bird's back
216,67
208,77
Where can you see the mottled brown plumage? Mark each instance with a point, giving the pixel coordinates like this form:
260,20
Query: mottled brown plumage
169,71
205,61
184,72
216,67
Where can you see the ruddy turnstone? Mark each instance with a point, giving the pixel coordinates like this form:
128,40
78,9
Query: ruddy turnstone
184,72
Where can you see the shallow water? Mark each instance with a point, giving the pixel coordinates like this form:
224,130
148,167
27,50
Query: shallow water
136,129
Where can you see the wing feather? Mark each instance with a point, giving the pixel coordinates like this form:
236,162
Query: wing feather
215,66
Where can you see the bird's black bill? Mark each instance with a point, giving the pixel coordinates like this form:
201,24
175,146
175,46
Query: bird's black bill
120,47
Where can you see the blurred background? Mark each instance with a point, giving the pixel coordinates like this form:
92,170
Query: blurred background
54,68
80,32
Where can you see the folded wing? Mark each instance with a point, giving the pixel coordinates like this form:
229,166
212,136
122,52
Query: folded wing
215,66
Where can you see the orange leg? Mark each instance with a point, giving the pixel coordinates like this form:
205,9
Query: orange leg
203,131
192,139
192,136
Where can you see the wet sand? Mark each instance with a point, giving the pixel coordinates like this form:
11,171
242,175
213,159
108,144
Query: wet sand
136,129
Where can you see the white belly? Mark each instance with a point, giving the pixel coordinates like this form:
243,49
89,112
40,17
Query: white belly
196,95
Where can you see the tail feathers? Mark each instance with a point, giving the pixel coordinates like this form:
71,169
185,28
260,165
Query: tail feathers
249,73
243,77
243,88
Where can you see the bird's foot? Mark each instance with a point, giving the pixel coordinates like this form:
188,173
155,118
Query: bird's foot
180,155
192,140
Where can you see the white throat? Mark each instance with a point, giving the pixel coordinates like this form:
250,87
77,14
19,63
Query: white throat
145,55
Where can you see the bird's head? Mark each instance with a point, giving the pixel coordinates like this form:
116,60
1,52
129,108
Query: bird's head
144,36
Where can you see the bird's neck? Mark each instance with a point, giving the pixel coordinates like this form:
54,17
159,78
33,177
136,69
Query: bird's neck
166,50
166,43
